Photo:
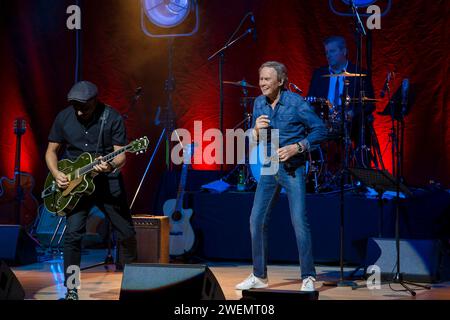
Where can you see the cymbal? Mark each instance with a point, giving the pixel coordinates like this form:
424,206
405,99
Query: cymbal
344,74
365,99
241,83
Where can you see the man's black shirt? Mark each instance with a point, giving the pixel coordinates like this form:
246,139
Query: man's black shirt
78,136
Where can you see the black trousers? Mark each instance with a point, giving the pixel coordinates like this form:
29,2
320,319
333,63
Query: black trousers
109,197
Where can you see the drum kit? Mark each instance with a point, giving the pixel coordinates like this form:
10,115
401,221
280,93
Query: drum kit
322,161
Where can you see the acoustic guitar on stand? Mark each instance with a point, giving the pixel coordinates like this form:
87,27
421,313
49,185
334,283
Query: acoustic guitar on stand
182,237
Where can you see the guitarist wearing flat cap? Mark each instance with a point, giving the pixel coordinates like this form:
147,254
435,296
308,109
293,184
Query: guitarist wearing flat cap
88,125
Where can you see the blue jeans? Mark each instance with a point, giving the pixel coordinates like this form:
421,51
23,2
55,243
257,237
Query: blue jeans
267,192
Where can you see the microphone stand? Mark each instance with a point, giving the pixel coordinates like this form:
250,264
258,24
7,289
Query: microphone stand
345,134
221,54
345,104
359,33
168,123
396,169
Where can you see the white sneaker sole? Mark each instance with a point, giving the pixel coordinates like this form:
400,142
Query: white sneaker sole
259,286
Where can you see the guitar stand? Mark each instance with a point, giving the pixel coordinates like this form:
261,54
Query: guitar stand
55,232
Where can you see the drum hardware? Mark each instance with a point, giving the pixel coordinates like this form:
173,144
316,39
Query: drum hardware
242,84
315,168
364,99
344,74
221,54
245,181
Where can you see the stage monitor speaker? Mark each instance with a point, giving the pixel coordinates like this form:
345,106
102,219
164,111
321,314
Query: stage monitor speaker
17,247
10,287
173,282
278,295
419,259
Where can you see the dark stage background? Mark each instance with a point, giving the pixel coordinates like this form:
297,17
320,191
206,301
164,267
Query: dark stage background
38,68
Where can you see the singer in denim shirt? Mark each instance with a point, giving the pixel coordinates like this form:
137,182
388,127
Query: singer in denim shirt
299,129
296,121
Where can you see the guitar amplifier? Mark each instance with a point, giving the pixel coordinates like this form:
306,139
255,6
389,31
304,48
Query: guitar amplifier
152,235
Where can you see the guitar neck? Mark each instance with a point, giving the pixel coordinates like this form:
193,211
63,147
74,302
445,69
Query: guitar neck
89,167
181,187
17,160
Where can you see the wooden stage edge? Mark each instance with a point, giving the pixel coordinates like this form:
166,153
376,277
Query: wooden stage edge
44,281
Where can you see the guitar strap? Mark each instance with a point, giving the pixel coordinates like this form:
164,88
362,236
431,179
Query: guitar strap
102,125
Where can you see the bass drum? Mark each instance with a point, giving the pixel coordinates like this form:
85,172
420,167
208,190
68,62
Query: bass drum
314,165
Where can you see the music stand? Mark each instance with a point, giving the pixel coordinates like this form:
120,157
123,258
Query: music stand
381,181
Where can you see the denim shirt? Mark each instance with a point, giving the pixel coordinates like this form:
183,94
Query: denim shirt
293,117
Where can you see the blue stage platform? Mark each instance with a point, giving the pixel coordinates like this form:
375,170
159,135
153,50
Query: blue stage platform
221,221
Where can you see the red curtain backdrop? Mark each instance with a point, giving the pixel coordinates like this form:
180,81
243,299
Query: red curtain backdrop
38,63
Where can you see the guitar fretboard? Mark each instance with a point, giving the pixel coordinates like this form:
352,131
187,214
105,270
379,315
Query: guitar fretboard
89,167
181,187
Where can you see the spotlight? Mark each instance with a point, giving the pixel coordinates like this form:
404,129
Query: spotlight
360,3
342,7
168,14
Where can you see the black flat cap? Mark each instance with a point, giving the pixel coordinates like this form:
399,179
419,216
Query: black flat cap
82,91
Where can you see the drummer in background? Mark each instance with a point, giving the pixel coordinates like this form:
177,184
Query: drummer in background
299,128
332,88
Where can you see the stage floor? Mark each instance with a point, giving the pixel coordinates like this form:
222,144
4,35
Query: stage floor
44,281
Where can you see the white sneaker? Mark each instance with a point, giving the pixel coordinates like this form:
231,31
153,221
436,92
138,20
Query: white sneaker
252,282
308,284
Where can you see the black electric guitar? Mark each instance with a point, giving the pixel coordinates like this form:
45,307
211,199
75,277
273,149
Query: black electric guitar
182,237
80,174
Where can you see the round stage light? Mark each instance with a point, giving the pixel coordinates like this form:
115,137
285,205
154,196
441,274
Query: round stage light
166,13
360,3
